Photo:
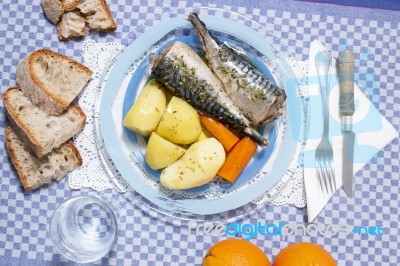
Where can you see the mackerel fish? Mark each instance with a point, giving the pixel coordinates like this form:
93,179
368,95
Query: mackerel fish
260,100
186,75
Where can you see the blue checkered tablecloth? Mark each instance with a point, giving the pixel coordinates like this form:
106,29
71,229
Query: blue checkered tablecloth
144,239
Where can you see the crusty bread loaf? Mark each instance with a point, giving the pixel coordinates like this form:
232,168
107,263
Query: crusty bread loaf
53,9
34,172
70,4
70,22
41,131
51,80
72,25
98,15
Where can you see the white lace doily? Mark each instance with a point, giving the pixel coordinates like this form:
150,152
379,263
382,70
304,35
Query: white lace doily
93,173
97,175
290,189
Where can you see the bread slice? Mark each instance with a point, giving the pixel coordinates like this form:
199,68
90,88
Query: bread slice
70,4
53,9
34,172
41,131
51,80
72,25
98,15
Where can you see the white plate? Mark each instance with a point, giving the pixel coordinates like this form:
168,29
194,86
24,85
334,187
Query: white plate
129,74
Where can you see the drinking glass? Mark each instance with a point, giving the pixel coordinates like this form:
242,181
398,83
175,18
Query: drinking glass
83,228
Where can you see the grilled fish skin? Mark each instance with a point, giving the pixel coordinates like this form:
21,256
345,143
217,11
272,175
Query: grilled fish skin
257,97
185,74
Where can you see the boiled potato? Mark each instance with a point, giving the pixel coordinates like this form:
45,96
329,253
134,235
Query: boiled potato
161,153
180,123
196,167
146,112
204,134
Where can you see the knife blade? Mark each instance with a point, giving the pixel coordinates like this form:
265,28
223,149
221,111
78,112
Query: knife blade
348,159
347,109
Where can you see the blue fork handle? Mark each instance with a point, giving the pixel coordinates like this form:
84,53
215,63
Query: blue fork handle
323,65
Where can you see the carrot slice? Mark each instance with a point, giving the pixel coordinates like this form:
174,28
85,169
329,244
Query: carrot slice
219,131
236,159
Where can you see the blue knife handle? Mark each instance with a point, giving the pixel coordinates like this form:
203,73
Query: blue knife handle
345,70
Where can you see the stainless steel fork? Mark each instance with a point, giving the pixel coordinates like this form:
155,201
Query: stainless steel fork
324,153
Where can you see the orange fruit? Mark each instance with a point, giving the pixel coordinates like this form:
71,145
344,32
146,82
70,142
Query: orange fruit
304,254
235,252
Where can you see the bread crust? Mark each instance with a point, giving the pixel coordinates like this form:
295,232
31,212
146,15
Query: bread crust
17,164
22,130
25,132
31,183
100,6
53,10
70,5
75,151
106,9
34,88
81,114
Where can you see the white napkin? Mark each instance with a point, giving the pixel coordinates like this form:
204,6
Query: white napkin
373,132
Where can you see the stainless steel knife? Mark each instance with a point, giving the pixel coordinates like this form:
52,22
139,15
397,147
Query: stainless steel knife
346,106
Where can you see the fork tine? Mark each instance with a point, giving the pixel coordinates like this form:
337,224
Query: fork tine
322,176
332,179
319,178
326,176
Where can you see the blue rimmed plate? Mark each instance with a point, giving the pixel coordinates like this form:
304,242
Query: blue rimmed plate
126,149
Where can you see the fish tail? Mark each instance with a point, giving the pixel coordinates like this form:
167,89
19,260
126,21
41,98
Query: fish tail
201,28
254,135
